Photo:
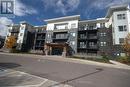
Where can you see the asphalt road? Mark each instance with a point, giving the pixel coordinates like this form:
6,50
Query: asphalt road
74,74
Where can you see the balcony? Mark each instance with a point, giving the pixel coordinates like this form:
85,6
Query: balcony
93,47
40,38
60,38
92,37
14,31
82,29
82,38
39,46
41,32
60,30
88,28
92,28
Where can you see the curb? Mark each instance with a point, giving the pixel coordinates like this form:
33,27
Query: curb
72,60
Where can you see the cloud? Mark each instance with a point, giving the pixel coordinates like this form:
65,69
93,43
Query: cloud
61,6
3,25
101,4
22,9
97,5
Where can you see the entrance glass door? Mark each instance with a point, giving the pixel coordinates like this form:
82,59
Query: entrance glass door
57,51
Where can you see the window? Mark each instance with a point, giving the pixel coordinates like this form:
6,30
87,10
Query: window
121,16
82,45
22,27
73,34
73,25
102,25
91,44
21,34
49,35
72,43
103,43
61,36
121,40
103,34
82,36
122,28
20,41
61,26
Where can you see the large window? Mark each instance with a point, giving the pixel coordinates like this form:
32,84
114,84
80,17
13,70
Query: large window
121,40
122,28
61,26
82,45
102,25
91,44
21,34
121,16
22,27
61,36
73,34
73,25
103,43
82,36
102,34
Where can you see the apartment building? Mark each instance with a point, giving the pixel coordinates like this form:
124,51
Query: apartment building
24,34
61,35
69,35
39,39
93,36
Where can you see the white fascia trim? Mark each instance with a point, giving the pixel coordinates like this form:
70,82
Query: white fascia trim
62,18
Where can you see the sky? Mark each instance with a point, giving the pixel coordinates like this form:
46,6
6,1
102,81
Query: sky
36,11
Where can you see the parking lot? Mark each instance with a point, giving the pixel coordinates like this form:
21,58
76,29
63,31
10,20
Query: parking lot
12,78
34,71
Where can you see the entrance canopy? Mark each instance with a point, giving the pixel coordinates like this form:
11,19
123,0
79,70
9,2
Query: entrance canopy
57,44
51,48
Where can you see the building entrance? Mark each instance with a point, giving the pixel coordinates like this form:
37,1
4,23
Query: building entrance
56,49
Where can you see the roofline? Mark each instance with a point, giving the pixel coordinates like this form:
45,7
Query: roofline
94,20
41,26
61,18
110,10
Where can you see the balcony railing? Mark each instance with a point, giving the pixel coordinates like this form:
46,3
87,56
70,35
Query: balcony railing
85,37
89,28
42,31
60,38
37,45
93,47
92,28
92,37
14,31
40,38
82,47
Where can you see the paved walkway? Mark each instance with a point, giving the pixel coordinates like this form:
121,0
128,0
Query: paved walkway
59,58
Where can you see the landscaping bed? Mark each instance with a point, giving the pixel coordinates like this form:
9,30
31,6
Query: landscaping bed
102,59
125,60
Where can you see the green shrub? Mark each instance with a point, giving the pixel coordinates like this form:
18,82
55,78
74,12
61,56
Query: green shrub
13,50
125,60
105,57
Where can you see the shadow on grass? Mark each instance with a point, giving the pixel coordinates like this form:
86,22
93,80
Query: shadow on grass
9,65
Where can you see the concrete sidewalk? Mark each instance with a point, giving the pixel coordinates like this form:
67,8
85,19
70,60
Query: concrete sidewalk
72,60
